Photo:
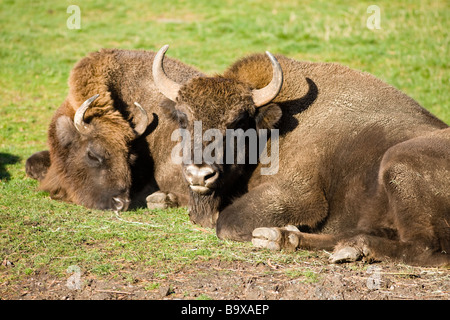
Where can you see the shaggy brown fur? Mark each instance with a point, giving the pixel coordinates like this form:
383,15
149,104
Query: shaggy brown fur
363,168
110,162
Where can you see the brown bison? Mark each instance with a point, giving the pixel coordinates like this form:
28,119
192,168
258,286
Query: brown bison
106,151
363,169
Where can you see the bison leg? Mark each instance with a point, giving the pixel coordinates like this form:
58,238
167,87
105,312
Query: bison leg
290,238
162,200
37,165
414,178
272,205
373,248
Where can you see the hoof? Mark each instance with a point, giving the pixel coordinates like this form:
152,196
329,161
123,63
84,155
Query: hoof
161,200
276,238
266,238
345,254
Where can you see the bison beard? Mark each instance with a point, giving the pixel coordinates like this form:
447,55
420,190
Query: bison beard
204,209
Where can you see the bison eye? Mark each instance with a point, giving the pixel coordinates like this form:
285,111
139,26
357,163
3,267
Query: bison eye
240,121
132,158
93,159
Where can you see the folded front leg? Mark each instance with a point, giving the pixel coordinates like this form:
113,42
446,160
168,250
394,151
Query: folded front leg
372,248
290,238
272,205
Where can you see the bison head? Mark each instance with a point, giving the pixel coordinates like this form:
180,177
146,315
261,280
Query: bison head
92,157
221,104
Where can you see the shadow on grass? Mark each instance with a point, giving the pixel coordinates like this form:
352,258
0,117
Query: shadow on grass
6,158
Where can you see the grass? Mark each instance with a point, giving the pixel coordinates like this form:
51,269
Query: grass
37,52
306,276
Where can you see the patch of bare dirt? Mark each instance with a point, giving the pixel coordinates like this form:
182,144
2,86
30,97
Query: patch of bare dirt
224,280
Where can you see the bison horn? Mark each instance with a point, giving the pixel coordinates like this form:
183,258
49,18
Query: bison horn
166,86
79,115
142,121
268,93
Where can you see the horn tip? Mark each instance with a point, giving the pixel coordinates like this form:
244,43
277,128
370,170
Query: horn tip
164,48
91,99
271,56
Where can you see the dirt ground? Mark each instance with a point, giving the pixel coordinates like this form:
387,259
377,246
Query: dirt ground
312,279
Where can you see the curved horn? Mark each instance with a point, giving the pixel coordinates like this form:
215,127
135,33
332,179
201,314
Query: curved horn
79,115
142,122
168,87
268,93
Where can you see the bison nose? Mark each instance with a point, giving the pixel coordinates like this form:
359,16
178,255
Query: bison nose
120,204
201,179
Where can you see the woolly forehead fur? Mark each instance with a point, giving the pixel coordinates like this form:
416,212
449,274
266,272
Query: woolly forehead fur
88,77
113,128
216,101
106,127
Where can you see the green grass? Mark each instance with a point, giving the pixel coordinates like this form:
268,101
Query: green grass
37,52
305,275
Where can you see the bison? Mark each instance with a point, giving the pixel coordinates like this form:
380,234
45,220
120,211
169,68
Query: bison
109,150
363,169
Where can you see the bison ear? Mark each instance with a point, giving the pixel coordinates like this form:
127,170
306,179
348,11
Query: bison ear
169,110
268,116
37,165
65,130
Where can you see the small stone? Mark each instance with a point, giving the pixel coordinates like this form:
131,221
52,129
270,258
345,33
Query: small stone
164,291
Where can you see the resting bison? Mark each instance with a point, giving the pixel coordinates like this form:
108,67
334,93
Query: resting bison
108,151
363,168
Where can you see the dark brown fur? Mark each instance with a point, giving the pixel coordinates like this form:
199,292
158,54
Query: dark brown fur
362,165
129,167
